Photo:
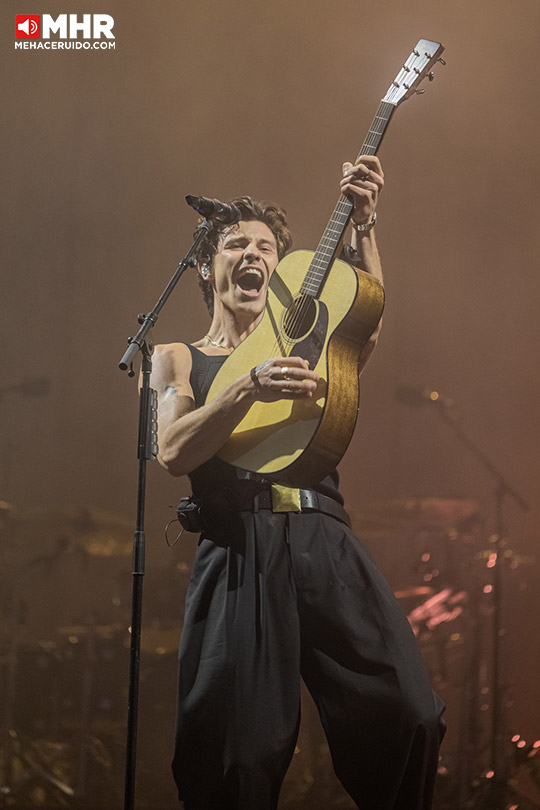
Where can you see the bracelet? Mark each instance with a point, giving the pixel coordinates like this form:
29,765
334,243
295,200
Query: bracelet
366,226
255,378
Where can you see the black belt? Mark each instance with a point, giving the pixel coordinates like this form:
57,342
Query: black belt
198,514
310,501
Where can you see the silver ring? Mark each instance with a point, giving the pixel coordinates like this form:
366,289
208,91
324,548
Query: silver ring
285,372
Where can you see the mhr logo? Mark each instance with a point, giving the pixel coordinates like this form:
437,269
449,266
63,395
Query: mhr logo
92,26
27,26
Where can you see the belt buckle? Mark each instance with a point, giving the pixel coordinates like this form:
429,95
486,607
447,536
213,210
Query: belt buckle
285,499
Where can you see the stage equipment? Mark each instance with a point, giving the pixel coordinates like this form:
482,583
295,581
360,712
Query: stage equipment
50,674
225,213
493,789
63,661
147,451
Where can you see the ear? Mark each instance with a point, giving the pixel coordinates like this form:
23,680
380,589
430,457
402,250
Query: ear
204,268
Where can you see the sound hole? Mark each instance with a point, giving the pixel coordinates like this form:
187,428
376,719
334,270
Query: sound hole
300,316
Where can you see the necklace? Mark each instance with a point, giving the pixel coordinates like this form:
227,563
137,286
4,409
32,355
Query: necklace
218,345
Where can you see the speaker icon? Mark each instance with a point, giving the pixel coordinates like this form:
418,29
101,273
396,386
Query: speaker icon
27,26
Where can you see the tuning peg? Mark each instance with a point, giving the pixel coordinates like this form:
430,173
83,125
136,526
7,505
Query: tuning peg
441,60
420,92
431,76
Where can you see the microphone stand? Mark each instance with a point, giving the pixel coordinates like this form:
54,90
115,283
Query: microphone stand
497,788
147,450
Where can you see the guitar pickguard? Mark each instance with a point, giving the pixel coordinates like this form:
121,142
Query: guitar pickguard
311,346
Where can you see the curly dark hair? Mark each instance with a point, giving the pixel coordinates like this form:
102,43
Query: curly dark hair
272,215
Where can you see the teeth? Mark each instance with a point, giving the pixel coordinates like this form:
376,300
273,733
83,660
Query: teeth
250,278
252,270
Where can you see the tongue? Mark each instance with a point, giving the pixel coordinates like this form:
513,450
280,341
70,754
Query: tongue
249,285
250,282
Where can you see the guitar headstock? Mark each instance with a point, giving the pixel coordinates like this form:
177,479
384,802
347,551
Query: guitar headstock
423,57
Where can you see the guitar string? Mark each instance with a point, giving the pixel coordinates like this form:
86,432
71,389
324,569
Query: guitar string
328,244
303,304
370,145
375,134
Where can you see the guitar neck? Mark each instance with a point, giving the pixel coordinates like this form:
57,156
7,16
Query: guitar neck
415,68
333,234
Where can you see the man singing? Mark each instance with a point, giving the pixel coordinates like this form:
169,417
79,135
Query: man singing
279,595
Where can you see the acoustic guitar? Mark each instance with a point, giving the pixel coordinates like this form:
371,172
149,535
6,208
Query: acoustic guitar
322,309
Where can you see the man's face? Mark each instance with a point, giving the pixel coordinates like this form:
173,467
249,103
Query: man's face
246,258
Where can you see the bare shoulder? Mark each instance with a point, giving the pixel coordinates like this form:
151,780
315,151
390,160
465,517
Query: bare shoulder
171,366
172,357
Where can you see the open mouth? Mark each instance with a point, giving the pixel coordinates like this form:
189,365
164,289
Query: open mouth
250,280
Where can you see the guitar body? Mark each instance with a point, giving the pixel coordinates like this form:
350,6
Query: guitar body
301,441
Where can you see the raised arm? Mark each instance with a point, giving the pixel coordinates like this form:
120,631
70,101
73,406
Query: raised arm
363,183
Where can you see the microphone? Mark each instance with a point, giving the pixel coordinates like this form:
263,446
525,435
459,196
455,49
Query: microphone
225,213
422,396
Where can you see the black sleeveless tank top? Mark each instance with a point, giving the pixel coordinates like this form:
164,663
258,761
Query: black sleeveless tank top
215,473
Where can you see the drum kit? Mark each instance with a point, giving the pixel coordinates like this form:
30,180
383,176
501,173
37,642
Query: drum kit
65,611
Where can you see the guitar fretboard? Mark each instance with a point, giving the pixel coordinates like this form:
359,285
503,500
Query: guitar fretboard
333,233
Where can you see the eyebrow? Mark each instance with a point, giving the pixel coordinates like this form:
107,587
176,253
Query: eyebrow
261,241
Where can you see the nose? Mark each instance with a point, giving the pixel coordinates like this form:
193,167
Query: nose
252,251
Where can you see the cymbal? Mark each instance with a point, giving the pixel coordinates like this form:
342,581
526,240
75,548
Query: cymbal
405,513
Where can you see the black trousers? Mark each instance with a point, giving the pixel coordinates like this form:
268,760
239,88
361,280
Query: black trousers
273,597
